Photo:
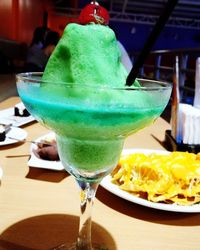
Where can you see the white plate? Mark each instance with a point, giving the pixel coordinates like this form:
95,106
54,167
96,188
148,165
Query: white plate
37,162
108,185
18,133
7,117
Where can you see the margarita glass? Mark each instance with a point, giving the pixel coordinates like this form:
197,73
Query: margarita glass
91,124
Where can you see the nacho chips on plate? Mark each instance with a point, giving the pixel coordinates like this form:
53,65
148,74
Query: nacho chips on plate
170,178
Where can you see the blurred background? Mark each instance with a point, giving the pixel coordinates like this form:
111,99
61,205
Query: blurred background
132,20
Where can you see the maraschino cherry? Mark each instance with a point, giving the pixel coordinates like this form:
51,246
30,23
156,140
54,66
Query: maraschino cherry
94,13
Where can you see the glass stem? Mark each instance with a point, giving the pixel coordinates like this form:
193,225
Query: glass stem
87,196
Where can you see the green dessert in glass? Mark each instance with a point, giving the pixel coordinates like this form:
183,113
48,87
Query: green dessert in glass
82,97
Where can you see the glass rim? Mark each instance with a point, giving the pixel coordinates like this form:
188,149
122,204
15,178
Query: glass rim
27,76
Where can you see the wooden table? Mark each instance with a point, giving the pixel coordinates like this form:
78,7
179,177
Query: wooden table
39,208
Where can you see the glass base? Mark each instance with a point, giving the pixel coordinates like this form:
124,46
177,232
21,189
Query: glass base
74,247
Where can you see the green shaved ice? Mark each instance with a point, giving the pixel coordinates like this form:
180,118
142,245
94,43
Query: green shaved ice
87,54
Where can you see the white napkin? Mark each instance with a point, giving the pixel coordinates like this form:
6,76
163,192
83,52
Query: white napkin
197,84
189,124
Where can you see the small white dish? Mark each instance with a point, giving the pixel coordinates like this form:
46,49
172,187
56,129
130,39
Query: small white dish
37,162
114,189
14,135
7,117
